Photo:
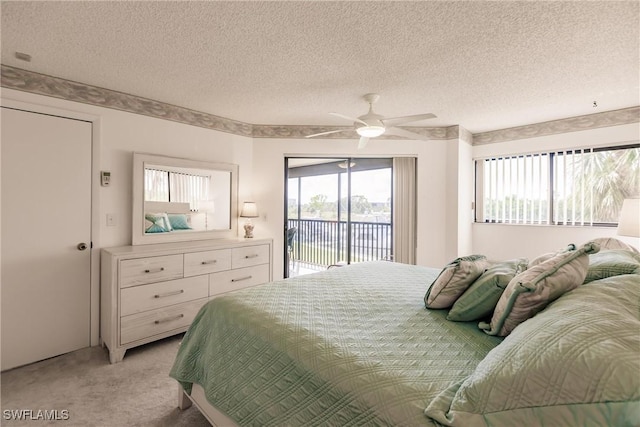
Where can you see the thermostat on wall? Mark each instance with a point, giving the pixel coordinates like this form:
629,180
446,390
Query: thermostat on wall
105,178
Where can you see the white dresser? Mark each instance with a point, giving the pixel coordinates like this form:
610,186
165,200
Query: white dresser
150,292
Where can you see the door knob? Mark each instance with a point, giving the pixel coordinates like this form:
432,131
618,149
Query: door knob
82,246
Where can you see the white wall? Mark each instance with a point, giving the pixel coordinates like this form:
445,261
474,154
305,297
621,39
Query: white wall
499,241
465,198
451,181
507,241
433,161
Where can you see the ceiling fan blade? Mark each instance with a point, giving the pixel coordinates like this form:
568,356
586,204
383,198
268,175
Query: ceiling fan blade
353,119
326,133
405,133
363,142
394,121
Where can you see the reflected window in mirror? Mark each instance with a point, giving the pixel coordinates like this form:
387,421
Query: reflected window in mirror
195,196
183,199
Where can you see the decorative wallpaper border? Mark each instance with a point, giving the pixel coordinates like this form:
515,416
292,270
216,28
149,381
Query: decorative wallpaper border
572,124
42,84
301,131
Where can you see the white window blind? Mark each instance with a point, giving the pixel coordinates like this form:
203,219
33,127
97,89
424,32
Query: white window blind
156,185
583,186
515,189
573,198
169,186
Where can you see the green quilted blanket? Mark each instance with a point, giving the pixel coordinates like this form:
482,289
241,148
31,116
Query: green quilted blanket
345,347
574,364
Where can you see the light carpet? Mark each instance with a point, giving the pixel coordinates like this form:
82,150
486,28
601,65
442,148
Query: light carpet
135,392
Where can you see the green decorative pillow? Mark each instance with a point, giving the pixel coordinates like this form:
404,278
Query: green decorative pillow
479,301
531,291
179,221
574,364
612,262
454,279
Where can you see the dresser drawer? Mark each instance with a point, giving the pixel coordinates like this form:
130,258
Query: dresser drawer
233,280
249,255
137,299
151,269
159,321
207,262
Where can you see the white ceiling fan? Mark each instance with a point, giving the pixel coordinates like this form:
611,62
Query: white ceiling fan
372,125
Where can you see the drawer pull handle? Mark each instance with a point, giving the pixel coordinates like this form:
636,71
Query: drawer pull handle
241,278
213,261
168,294
251,256
156,270
169,319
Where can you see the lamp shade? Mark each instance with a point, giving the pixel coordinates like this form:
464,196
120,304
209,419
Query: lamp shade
249,210
629,222
206,206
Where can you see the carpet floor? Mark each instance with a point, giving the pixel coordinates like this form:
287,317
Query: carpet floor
94,393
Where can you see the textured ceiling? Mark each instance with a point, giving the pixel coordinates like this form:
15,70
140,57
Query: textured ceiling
483,65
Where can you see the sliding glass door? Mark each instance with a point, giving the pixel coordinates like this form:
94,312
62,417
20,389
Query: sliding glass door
338,211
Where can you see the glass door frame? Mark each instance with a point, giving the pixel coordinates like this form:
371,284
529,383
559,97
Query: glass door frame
327,162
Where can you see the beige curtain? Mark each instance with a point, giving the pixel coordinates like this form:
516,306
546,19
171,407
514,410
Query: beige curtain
404,210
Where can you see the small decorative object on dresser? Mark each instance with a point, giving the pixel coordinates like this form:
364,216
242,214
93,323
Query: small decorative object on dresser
249,210
154,291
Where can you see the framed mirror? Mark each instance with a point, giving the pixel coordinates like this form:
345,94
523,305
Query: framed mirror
177,199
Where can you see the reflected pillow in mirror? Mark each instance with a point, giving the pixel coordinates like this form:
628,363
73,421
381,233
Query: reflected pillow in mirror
155,228
179,221
159,220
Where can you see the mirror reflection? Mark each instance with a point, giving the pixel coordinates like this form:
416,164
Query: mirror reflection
177,199
186,199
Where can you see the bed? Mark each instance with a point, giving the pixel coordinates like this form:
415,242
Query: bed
176,217
356,346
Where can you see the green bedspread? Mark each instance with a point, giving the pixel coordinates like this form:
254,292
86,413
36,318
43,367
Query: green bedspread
348,346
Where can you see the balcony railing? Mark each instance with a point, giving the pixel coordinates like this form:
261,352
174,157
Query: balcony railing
323,243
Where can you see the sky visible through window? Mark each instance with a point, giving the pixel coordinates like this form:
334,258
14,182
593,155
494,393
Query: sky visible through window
375,185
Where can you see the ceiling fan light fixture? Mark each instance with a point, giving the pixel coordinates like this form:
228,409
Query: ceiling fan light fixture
343,164
372,125
370,131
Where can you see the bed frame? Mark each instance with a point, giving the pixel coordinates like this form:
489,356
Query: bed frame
197,398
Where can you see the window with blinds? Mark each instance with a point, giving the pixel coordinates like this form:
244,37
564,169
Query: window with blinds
168,186
571,187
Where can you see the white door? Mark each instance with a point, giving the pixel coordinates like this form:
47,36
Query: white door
46,214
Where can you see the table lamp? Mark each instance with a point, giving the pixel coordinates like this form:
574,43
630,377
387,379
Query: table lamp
249,210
